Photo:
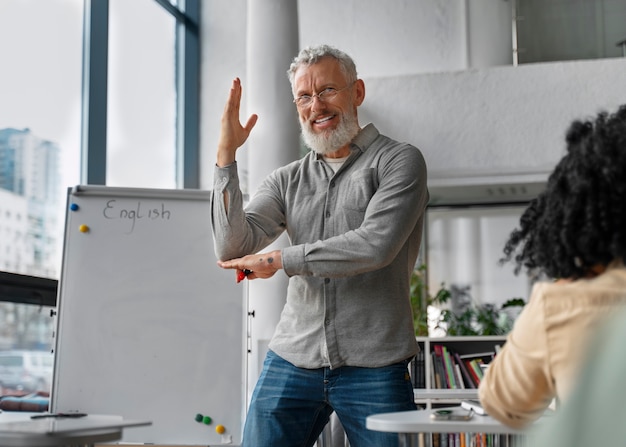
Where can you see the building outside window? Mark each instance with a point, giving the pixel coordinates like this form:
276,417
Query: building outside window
41,134
40,87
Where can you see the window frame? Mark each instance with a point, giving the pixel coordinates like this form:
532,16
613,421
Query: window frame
25,289
95,80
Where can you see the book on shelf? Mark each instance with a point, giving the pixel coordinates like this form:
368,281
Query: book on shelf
438,364
458,376
467,439
449,366
475,370
467,378
437,370
422,366
486,355
452,371
418,370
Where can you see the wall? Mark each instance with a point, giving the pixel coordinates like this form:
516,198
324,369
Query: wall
386,38
223,57
465,116
426,66
493,121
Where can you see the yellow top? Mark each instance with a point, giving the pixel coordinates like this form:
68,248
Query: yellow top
544,352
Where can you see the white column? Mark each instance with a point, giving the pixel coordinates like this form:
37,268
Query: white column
271,46
465,264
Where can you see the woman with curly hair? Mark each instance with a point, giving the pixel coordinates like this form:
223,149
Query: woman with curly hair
575,234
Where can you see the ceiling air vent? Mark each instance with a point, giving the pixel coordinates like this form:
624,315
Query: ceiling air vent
482,190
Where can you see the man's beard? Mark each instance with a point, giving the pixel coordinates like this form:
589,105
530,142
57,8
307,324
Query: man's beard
330,141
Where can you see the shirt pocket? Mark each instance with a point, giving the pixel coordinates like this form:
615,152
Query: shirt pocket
361,187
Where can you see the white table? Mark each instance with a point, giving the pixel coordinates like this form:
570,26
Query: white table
408,424
17,429
445,393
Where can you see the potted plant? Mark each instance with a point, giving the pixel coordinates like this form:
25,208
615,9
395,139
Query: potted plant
459,314
421,299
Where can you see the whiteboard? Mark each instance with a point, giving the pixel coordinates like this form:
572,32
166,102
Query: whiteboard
148,326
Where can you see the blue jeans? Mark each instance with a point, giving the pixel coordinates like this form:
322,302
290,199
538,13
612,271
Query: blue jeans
290,406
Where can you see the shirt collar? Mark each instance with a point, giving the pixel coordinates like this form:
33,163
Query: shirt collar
362,141
365,137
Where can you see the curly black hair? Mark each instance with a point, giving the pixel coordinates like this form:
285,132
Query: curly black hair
579,220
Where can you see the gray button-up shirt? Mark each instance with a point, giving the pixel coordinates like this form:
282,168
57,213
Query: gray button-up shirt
355,236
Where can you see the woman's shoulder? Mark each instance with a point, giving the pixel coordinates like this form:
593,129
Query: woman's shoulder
605,289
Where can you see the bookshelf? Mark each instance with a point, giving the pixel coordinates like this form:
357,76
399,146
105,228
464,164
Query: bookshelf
432,392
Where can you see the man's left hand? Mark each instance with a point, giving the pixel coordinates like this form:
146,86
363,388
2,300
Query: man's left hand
262,265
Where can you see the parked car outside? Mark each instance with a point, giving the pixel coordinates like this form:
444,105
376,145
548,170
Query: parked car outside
25,371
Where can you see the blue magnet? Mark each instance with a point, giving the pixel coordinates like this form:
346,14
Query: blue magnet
74,207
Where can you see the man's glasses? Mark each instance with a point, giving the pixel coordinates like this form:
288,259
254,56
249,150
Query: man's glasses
325,95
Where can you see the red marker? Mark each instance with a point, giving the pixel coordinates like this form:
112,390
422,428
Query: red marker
241,275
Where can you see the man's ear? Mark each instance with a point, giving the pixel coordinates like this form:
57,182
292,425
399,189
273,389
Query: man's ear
360,92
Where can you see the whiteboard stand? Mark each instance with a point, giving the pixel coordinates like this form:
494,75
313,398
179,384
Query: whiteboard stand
148,327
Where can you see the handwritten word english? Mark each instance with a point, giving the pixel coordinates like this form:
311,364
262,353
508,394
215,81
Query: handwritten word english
138,212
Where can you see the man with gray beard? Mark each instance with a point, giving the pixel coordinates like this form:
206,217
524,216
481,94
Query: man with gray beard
353,209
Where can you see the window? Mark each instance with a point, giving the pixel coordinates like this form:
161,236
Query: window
463,247
141,123
39,153
39,127
54,136
139,137
557,30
